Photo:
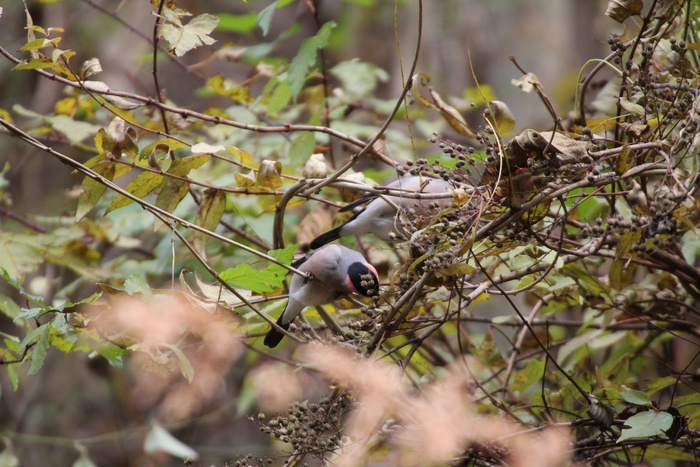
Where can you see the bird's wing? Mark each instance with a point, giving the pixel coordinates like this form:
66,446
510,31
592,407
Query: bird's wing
291,311
359,201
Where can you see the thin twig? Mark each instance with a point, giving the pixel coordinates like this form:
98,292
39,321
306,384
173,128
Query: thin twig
159,94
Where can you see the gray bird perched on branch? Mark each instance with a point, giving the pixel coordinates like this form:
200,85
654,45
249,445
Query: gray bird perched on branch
379,216
331,272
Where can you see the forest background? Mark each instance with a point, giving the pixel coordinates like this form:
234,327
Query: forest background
129,184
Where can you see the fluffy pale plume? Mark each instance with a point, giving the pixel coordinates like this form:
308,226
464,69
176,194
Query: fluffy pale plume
438,423
277,386
378,389
548,448
435,426
170,336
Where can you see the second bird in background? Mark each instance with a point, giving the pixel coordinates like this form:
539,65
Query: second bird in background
379,217
331,272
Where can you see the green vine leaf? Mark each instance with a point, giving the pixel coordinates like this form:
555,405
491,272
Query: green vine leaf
263,281
636,397
139,187
38,354
173,190
93,189
307,57
646,425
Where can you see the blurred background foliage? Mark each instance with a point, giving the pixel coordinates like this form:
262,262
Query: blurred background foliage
74,394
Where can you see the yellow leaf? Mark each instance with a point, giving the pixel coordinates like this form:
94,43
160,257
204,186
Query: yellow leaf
500,116
244,181
244,157
93,189
451,115
211,210
65,106
622,163
422,79
269,174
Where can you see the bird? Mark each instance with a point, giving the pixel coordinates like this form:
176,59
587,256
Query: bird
331,272
379,216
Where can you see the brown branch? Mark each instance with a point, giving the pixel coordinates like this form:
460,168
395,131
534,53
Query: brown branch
154,70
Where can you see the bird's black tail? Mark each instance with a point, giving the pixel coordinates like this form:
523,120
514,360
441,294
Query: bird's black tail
331,235
274,337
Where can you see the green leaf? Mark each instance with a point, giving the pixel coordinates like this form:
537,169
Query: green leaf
237,23
245,276
284,255
575,344
306,57
303,146
586,280
279,98
171,193
174,190
358,78
621,274
37,44
17,286
182,167
247,397
636,397
113,354
627,241
69,338
8,306
265,17
658,384
136,284
159,440
34,64
623,162
75,131
635,110
21,254
12,375
139,187
31,313
183,38
92,189
211,210
667,453
263,281
646,425
532,373
39,350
